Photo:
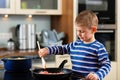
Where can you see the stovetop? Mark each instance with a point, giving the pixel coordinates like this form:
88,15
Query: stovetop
28,75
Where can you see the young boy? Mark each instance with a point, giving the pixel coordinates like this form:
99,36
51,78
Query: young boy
88,56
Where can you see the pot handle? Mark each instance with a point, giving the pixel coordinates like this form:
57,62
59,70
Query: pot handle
63,63
4,59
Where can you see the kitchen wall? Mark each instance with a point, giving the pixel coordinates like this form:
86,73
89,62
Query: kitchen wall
7,25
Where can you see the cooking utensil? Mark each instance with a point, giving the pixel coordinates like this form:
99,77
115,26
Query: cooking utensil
66,75
43,60
17,63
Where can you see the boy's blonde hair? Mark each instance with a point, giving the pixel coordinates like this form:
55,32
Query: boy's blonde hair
87,18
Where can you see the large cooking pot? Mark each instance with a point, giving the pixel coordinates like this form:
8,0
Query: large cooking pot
17,63
55,76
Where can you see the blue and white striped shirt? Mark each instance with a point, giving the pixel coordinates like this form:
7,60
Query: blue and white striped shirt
86,58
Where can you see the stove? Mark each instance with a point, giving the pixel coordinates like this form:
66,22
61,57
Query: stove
5,75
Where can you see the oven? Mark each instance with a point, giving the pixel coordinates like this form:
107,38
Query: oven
107,37
105,9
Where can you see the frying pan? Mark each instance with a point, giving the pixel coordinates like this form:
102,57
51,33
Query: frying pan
65,76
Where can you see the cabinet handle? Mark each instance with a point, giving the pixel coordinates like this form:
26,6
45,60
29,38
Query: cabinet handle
40,12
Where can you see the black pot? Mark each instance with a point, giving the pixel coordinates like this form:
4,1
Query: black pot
17,64
65,76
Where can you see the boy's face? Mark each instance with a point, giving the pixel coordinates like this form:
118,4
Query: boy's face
85,34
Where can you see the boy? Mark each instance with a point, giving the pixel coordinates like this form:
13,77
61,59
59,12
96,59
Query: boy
88,56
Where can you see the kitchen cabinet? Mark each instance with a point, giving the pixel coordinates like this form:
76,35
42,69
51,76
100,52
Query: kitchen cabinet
36,7
64,23
7,6
43,7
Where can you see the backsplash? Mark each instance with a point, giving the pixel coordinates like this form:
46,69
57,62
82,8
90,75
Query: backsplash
7,26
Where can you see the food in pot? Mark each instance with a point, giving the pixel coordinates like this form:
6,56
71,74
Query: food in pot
17,58
46,72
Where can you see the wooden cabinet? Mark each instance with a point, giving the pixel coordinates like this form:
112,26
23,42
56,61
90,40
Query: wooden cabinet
64,23
36,7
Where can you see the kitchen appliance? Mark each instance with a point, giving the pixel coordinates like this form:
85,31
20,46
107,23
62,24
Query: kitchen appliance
26,36
11,45
107,38
17,64
105,9
31,36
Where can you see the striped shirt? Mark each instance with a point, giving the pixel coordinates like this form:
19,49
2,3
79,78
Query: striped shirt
86,58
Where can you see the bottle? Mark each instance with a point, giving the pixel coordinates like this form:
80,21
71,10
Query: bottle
11,45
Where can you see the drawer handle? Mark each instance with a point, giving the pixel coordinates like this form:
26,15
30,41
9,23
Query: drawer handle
40,12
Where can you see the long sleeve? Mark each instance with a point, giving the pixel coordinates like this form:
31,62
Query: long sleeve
58,50
104,63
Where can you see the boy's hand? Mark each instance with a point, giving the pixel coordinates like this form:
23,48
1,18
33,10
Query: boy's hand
43,52
91,76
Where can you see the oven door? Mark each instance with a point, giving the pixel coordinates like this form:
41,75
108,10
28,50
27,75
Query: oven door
105,9
107,38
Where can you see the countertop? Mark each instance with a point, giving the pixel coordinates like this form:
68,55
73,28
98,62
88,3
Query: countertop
6,53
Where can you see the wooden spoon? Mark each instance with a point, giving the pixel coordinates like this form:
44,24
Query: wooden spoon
43,60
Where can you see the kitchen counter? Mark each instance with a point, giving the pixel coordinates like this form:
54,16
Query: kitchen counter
33,53
36,62
6,53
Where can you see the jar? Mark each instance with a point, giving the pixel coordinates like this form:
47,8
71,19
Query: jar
11,45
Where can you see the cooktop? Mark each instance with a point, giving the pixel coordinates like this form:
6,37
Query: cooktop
5,75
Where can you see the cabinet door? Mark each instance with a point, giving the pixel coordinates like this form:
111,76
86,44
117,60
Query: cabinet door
7,6
39,7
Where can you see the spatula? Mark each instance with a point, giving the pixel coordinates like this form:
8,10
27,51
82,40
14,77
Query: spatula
42,58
